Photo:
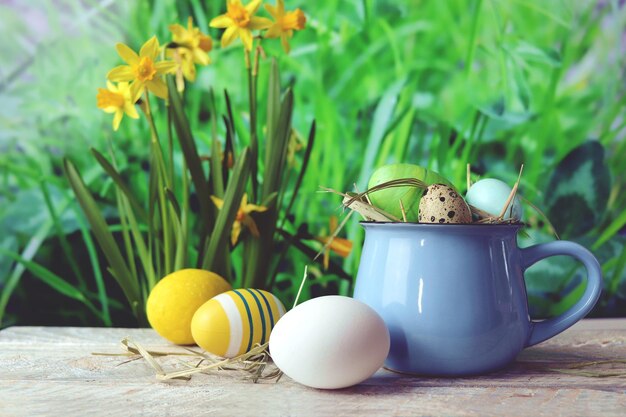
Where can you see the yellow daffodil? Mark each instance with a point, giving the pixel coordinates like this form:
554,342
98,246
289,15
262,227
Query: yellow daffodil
119,100
143,69
294,146
243,217
284,23
239,22
340,246
192,47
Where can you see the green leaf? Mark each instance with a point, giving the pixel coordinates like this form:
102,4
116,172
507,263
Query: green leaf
383,115
228,150
578,191
611,230
190,152
520,85
140,244
277,153
95,266
31,248
273,106
217,178
67,251
119,181
229,110
47,277
171,197
105,239
180,234
568,300
532,53
232,199
11,282
303,169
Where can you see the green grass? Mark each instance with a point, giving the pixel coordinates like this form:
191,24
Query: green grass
441,84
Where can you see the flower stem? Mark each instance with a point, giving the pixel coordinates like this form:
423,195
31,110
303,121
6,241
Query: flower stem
254,142
163,182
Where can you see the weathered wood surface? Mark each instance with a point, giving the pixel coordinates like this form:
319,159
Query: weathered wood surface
52,372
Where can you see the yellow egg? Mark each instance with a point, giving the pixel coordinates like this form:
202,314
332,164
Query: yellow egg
174,300
233,322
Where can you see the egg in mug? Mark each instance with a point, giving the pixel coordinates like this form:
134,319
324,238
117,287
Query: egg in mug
490,195
233,322
442,204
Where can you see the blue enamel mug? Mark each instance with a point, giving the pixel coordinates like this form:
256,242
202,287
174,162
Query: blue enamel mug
453,295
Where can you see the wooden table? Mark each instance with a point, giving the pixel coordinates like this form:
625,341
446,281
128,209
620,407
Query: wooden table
50,371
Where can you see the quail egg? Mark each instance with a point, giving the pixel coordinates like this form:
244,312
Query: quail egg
442,204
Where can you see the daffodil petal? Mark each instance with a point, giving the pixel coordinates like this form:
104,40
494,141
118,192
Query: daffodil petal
136,90
117,119
284,40
180,82
219,203
341,246
326,262
222,21
201,57
253,6
150,48
274,31
131,110
332,224
246,38
252,207
234,236
257,23
127,54
251,225
157,87
271,10
177,30
229,35
121,73
165,67
189,71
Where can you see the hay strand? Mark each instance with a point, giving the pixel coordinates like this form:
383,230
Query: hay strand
509,200
577,369
402,210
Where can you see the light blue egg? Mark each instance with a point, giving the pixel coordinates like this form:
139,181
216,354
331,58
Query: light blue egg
490,195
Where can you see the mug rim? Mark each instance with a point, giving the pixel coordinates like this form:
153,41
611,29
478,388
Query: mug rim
451,225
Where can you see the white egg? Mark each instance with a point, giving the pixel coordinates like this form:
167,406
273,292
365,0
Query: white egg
330,342
490,195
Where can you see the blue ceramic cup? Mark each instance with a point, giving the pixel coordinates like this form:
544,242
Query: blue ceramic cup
453,296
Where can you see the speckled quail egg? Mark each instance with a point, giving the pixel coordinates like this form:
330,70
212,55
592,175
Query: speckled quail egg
442,204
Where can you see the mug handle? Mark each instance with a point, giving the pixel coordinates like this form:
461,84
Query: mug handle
543,330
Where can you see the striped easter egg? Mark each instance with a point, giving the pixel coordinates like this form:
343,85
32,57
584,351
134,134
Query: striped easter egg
233,322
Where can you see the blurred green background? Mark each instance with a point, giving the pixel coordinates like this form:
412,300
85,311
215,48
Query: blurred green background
495,83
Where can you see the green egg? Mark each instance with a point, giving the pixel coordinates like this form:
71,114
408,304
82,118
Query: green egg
389,199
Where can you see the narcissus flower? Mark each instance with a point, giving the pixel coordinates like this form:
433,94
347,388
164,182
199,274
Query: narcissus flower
143,70
340,246
239,22
191,47
119,100
284,23
243,217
